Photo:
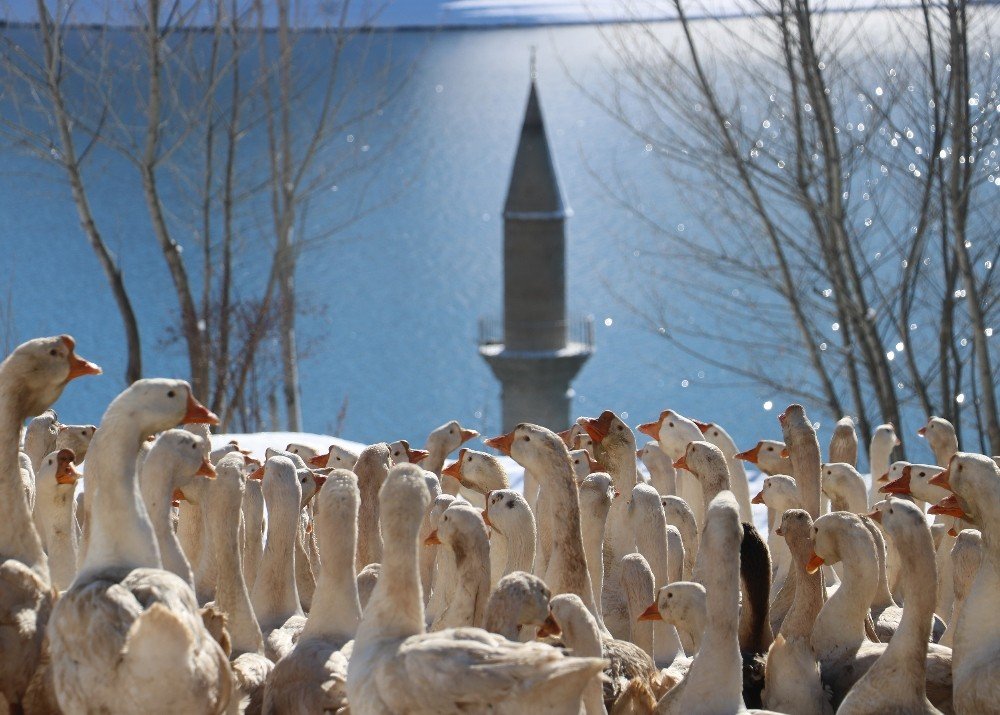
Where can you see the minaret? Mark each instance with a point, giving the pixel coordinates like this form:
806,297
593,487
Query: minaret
539,350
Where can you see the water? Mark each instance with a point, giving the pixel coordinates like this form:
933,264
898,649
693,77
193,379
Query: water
396,298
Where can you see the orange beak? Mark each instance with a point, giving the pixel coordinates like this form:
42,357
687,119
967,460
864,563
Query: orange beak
876,515
952,533
65,471
502,443
549,628
922,431
815,561
651,614
320,480
319,460
197,413
486,518
565,436
594,465
750,455
778,531
949,507
78,367
651,429
759,499
177,496
883,478
898,486
617,494
638,453
703,426
783,418
598,429
785,454
943,480
681,463
432,539
468,434
455,468
206,469
257,473
416,456
897,441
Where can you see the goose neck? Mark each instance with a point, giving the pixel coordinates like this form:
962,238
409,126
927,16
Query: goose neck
18,538
336,608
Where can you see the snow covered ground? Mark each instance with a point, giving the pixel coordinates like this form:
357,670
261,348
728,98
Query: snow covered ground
258,442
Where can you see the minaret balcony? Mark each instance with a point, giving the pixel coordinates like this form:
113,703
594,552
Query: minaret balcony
579,337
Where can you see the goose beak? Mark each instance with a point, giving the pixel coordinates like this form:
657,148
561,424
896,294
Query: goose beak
468,434
778,531
206,469
681,463
651,614
617,494
897,441
502,443
594,465
258,473
638,453
943,480
883,478
783,418
815,561
875,515
454,469
598,429
565,436
703,426
650,429
197,413
759,499
952,533
319,460
549,628
749,455
897,486
486,519
785,454
65,471
949,507
432,539
320,480
78,367
922,431
416,456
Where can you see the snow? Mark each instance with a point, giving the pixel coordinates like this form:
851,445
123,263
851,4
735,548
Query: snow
258,442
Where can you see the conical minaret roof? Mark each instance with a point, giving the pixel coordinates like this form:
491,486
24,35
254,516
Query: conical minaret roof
534,187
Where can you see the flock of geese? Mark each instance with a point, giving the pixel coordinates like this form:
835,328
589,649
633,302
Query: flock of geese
187,580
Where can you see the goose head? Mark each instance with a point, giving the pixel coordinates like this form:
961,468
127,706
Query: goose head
58,468
159,404
706,462
915,480
680,514
43,431
884,437
778,492
282,489
681,604
532,446
644,508
303,450
840,480
461,528
673,431
974,479
569,618
478,471
449,437
400,452
39,369
768,454
583,464
520,599
506,511
614,437
338,500
797,529
905,522
833,534
794,419
337,457
403,500
940,435
181,455
596,493
894,473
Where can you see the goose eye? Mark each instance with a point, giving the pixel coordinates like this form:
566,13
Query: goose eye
194,446
620,428
576,461
715,434
451,431
527,438
83,432
921,474
53,352
770,449
469,459
890,511
670,424
670,595
171,393
50,462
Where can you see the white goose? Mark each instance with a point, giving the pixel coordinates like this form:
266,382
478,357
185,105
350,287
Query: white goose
32,377
518,606
400,452
884,440
463,531
507,513
897,680
76,438
175,459
371,468
771,456
660,466
680,515
40,437
682,605
56,482
581,635
395,667
966,558
597,492
336,457
844,442
128,636
312,677
275,595
673,432
478,472
975,480
441,442
716,435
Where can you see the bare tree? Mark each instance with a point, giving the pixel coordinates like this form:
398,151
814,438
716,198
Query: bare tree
827,185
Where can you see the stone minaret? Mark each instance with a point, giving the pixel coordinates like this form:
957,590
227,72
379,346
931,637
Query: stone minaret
539,350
